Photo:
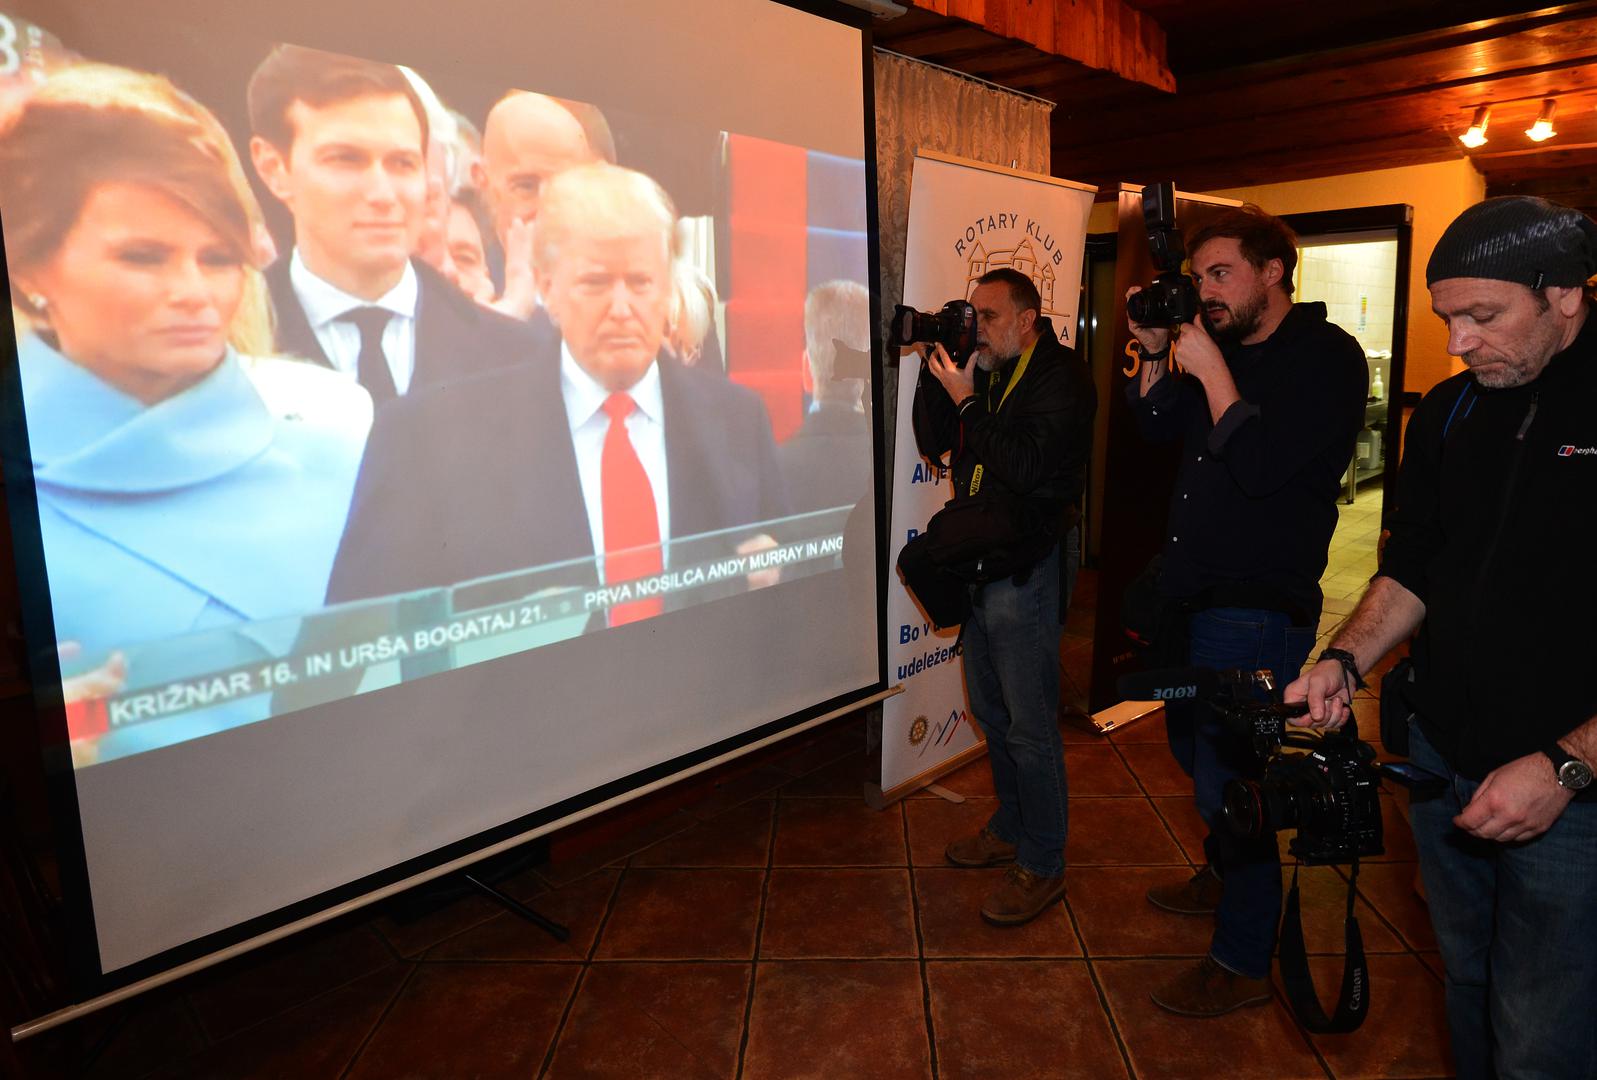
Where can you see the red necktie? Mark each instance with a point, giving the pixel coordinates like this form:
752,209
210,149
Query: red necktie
631,527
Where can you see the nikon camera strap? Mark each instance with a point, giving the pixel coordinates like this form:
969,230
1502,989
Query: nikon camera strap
1354,1001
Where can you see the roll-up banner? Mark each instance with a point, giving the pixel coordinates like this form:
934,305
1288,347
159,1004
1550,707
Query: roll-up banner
965,218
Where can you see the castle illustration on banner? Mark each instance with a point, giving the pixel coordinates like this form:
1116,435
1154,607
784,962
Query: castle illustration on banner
1022,257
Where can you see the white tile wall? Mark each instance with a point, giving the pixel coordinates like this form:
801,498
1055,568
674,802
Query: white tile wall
1354,280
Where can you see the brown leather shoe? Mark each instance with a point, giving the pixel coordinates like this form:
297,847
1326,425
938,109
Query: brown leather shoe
983,849
1021,897
1200,895
1207,989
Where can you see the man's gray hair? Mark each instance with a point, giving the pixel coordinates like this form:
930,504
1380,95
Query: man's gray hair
839,310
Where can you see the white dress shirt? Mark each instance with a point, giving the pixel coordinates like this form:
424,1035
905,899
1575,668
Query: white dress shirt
323,303
584,400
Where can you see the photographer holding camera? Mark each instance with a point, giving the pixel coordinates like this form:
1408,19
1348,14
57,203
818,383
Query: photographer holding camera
1018,423
1490,560
1267,411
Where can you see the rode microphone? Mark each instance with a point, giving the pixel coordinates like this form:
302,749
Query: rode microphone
1170,684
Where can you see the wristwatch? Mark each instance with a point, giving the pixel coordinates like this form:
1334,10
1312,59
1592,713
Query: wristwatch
1572,772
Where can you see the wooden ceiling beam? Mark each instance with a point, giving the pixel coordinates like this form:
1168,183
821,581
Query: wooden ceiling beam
942,37
1109,35
1370,104
1545,26
1577,188
1219,157
1295,103
1233,174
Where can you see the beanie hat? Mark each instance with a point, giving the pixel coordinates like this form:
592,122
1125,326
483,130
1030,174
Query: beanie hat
1517,238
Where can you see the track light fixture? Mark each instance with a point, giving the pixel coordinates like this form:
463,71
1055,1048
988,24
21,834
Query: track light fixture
1476,135
1542,129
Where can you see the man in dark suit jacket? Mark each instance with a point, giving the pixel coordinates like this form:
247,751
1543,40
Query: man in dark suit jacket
604,445
827,462
341,142
455,336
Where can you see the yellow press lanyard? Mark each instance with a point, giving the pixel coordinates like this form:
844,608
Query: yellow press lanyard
992,381
1014,376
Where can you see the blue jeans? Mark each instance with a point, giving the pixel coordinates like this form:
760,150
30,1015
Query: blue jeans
1070,554
1517,926
1249,870
1012,677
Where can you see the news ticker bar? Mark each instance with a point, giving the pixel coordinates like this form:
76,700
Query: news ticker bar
347,660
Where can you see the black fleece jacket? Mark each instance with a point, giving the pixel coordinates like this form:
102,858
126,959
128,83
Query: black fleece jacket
1033,443
1254,505
1493,532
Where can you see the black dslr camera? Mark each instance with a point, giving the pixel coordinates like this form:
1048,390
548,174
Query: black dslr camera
954,327
1329,794
1171,298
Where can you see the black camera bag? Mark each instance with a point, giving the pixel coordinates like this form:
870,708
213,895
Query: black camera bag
971,542
1396,711
1143,609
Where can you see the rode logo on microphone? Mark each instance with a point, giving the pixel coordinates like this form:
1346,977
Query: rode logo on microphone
1175,693
1571,451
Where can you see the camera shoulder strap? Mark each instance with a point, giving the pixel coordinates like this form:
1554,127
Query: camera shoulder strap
1354,1001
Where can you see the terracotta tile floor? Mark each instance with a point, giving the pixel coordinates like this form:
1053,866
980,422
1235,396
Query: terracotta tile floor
779,928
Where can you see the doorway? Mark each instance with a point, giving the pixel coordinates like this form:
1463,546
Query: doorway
1356,262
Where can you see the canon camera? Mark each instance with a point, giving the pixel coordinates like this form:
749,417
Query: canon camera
954,328
1329,793
1171,298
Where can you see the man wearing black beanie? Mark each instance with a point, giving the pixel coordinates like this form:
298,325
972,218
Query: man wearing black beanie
1490,561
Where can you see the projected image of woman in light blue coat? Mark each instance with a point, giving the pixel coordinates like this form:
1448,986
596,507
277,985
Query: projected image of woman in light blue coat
191,489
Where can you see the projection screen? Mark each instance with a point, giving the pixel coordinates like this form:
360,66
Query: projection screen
426,421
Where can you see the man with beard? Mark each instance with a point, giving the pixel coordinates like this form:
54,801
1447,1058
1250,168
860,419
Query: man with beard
1489,559
1268,407
1018,419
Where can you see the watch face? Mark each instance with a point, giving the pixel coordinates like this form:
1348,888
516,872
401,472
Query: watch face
1574,775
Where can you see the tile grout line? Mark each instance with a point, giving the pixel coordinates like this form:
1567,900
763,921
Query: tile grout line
260,1021
582,976
210,1040
560,1028
1279,995
759,931
1081,940
382,1017
920,946
1369,901
1097,986
1171,833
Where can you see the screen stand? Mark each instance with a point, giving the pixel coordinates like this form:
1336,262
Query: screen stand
543,922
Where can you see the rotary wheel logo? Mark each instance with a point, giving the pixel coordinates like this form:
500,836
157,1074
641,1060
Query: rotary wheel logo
918,730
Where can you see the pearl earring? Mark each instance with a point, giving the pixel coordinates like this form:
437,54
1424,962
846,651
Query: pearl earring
39,303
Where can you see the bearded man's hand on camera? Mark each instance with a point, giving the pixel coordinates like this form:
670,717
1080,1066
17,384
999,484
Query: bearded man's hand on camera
960,382
1154,339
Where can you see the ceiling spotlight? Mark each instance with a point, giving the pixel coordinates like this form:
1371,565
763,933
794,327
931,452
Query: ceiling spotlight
1543,127
1476,135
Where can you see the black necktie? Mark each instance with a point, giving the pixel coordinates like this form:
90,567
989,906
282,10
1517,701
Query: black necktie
372,366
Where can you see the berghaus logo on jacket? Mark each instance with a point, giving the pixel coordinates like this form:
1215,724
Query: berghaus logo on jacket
1572,451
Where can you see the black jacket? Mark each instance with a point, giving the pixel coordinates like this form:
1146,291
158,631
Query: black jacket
1493,531
456,337
1254,505
478,477
1033,443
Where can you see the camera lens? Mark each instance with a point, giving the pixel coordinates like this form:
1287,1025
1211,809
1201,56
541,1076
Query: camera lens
1244,808
1137,306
